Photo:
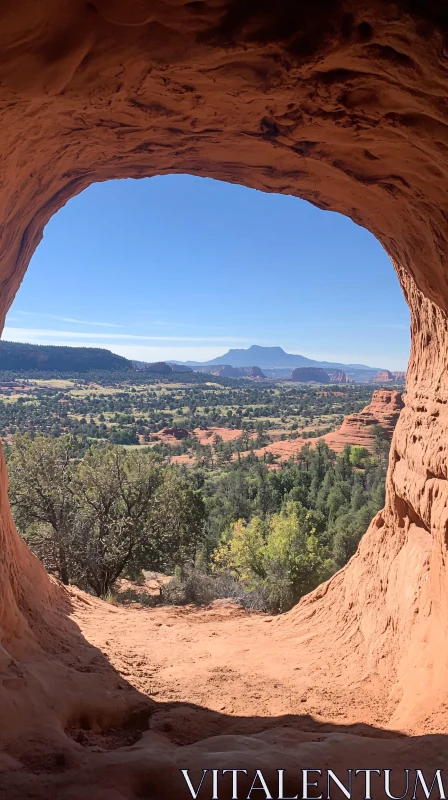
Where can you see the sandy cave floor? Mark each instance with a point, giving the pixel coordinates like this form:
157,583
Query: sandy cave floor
214,685
222,670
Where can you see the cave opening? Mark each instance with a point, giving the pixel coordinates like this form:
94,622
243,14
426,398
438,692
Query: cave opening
154,270
342,104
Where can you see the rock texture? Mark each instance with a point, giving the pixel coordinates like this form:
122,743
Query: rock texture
255,372
339,377
356,429
208,436
342,103
359,429
384,376
170,435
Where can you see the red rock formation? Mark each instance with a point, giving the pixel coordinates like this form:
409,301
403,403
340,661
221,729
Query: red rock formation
338,377
359,429
341,103
208,436
384,376
386,406
399,377
171,435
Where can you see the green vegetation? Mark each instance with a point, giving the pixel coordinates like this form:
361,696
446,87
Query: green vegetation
129,408
286,530
99,493
276,534
280,554
18,356
90,520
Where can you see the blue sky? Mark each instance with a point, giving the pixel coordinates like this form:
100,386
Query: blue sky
180,267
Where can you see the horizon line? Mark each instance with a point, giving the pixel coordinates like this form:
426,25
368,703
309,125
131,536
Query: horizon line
359,363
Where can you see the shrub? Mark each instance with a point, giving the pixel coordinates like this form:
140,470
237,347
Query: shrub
281,556
193,585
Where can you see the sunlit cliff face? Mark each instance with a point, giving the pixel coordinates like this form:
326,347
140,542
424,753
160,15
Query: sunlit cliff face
341,103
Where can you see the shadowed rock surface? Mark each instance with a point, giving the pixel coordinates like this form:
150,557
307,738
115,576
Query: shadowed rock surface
343,104
159,368
338,377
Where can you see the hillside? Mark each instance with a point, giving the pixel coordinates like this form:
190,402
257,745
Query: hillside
49,358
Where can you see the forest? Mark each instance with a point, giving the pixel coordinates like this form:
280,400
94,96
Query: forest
114,477
261,536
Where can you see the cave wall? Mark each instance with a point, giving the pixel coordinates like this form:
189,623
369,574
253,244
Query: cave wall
340,103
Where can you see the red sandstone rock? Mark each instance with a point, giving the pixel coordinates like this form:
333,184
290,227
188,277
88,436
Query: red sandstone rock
208,436
359,429
383,376
343,104
171,435
356,429
339,377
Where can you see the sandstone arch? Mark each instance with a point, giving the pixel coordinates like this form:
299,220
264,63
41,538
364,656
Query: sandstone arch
341,103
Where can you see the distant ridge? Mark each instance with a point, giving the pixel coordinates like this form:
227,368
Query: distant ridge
59,358
273,358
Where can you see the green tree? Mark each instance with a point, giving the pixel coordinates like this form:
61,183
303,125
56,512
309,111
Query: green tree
282,555
381,445
358,455
176,526
114,511
40,475
114,490
347,532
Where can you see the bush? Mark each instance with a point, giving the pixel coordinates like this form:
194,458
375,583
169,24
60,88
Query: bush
195,586
358,456
134,596
281,556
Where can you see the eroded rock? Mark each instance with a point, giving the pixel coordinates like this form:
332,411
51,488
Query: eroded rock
343,104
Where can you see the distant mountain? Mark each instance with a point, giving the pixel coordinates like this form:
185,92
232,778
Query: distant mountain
274,358
55,358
